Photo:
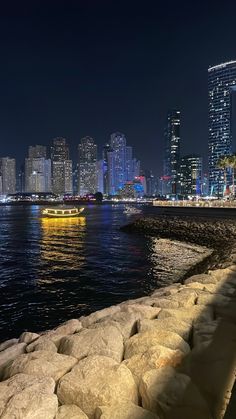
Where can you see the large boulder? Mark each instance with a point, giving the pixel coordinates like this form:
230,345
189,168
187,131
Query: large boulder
45,345
9,354
55,335
202,278
105,340
28,337
171,324
195,313
123,411
7,343
204,332
141,342
142,310
164,391
70,411
155,357
97,315
41,363
24,396
126,323
97,381
211,366
184,298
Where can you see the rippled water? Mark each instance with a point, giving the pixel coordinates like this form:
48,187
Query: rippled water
56,269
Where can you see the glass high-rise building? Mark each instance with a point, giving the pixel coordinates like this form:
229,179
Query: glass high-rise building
191,175
7,175
62,174
221,84
118,145
87,167
172,152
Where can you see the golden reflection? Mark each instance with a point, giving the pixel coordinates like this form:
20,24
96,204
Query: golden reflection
61,247
62,223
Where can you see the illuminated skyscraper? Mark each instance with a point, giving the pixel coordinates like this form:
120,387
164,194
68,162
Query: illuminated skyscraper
172,152
118,145
221,84
61,167
7,175
37,151
38,175
87,168
191,175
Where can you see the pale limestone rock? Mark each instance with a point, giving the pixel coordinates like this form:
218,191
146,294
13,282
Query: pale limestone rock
167,291
123,411
9,354
27,397
97,381
163,391
8,343
211,288
142,310
94,317
105,340
141,300
155,357
45,345
70,411
215,300
184,298
141,342
55,335
167,302
126,323
41,363
171,324
194,313
204,332
211,366
201,278
28,337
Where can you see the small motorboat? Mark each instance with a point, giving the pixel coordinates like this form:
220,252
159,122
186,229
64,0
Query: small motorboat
129,210
59,212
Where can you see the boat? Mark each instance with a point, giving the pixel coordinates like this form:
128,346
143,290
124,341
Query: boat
62,212
129,210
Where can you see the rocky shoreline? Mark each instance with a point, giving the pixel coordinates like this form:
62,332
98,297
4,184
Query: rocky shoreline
168,355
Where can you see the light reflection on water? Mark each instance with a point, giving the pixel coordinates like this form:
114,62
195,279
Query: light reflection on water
56,269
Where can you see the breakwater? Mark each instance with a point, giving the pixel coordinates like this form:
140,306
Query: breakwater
169,355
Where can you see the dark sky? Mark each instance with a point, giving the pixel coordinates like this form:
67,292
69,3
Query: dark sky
91,67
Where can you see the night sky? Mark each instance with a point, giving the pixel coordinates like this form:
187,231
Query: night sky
92,67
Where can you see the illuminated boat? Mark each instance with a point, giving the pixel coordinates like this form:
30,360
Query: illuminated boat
129,210
62,212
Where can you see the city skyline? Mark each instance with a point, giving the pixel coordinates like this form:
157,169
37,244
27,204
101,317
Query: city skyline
77,82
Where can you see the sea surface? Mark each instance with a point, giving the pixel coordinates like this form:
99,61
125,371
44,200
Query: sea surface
52,270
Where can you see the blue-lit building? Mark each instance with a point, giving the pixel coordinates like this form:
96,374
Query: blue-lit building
221,84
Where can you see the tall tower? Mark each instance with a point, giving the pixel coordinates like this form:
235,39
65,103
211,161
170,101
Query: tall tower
37,170
87,168
221,84
118,145
191,175
172,152
61,167
7,175
37,151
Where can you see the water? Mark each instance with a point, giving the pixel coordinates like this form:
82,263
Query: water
52,270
